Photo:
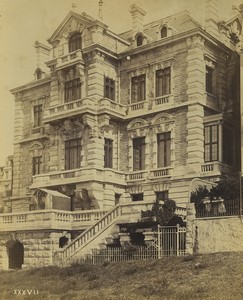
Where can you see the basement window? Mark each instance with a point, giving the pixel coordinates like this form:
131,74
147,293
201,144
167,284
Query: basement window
137,197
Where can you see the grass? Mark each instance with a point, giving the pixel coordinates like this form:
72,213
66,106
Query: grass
202,277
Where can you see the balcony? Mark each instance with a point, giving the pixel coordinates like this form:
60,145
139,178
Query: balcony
152,105
77,175
216,168
69,109
135,108
161,173
50,219
66,59
112,108
137,175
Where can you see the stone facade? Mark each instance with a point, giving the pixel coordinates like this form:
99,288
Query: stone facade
90,108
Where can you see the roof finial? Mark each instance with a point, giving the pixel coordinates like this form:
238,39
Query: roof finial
100,10
74,6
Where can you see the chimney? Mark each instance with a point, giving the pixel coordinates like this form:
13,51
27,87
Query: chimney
137,18
42,55
212,17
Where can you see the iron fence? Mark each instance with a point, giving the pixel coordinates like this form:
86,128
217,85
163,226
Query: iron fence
168,241
218,209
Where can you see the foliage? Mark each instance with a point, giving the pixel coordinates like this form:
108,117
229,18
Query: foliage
226,189
160,213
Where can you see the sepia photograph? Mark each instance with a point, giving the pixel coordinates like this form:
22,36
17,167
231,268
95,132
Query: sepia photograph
121,149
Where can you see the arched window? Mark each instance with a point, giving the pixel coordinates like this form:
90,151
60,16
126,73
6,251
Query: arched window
163,32
75,41
139,40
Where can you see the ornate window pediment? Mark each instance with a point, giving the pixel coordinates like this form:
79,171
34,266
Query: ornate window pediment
137,123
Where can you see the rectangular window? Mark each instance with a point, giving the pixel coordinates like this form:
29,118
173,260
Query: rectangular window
137,197
36,165
108,153
72,90
139,154
163,82
211,143
162,196
138,89
37,115
109,88
72,154
163,149
209,80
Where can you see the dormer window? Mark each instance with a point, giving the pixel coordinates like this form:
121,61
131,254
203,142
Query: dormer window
75,41
163,32
139,40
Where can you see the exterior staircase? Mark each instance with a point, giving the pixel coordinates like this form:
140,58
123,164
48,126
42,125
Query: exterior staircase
89,239
102,233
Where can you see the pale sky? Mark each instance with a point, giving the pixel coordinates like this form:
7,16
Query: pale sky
22,22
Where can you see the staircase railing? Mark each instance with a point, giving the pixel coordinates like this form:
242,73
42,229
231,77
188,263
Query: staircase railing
89,234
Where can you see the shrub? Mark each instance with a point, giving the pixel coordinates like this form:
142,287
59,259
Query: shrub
161,213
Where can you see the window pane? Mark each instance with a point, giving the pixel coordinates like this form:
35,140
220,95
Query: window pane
163,149
72,154
108,153
72,90
139,154
138,89
163,78
211,143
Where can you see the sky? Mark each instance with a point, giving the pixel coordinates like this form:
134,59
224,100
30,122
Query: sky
22,22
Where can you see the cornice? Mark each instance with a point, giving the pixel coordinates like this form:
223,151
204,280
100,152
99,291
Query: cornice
31,84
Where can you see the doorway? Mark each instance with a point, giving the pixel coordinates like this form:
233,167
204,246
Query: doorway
15,254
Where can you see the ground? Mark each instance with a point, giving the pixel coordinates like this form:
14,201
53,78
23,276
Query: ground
212,276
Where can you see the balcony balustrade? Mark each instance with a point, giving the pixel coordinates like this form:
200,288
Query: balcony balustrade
137,175
162,172
77,175
69,109
49,219
69,58
162,100
216,168
112,107
106,105
138,106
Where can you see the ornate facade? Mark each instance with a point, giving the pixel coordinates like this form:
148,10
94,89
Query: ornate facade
125,119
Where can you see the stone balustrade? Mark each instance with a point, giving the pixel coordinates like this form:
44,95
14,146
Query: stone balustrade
216,168
49,219
77,175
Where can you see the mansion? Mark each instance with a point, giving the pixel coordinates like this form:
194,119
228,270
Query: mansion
120,120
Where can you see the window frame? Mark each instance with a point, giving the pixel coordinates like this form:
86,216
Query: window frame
165,196
138,88
139,145
72,90
209,143
163,82
109,88
164,159
108,153
136,197
139,40
38,114
75,42
72,160
163,32
209,80
36,165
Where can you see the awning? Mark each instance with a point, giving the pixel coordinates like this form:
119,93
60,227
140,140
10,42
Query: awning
54,193
51,199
